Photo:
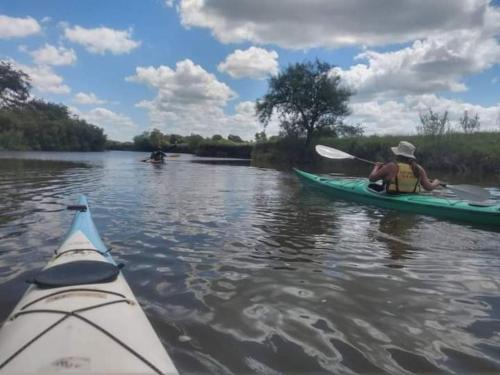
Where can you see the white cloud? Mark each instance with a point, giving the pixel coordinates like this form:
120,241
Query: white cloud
116,126
191,100
14,27
44,79
435,64
88,98
402,117
102,39
254,63
244,122
326,23
393,87
51,55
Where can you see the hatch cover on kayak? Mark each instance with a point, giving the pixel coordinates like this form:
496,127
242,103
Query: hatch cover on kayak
77,273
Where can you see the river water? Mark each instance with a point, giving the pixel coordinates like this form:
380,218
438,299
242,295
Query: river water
245,270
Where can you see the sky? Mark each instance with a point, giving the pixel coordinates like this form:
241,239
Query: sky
198,66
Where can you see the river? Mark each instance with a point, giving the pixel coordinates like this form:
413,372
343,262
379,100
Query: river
244,270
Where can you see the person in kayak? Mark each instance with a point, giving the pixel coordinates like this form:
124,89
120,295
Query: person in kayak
403,175
157,155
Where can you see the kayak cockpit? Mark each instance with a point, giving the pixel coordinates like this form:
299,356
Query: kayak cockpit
77,273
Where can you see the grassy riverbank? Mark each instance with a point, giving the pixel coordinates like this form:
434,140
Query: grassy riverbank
454,152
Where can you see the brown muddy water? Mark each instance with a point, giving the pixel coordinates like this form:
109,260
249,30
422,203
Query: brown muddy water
244,270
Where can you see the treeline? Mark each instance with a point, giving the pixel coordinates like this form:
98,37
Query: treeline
38,125
472,153
216,146
33,124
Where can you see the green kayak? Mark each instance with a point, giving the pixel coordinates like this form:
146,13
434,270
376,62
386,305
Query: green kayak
426,204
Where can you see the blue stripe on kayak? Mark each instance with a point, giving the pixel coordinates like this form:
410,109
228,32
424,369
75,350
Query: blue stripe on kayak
83,222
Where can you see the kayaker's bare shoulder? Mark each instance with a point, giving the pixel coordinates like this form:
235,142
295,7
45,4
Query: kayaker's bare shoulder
383,171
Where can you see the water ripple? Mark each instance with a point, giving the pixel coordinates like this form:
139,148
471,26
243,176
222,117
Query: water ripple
243,270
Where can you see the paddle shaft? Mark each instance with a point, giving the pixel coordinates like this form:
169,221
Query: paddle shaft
366,161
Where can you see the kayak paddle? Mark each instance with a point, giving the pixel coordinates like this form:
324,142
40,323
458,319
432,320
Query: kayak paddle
466,192
333,153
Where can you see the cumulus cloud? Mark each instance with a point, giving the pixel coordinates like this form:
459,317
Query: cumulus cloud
14,27
44,79
254,62
402,117
116,126
188,98
244,122
326,23
51,55
435,64
88,98
102,39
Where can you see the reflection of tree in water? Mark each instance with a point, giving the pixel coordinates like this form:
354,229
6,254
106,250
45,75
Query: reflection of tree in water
291,229
395,231
22,180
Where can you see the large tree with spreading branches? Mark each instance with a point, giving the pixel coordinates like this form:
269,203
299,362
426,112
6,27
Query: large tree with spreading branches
306,97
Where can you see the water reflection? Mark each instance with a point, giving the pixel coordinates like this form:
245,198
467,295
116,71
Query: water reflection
243,270
396,230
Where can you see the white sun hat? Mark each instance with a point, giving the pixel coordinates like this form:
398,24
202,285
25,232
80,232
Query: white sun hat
405,149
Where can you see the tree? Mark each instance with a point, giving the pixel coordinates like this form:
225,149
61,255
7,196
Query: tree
157,138
142,142
51,111
175,138
193,141
260,136
470,124
14,85
217,137
345,130
306,97
432,123
234,138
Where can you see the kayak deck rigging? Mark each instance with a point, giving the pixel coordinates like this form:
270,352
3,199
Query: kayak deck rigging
79,313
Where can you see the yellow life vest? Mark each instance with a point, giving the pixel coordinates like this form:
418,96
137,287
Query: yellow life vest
405,181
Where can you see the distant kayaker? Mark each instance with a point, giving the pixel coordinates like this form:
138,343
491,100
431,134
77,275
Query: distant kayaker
403,175
157,155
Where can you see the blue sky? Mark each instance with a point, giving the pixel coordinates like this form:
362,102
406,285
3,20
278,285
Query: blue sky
194,66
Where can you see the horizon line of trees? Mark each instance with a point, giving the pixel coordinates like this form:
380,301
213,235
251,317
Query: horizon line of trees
217,145
34,124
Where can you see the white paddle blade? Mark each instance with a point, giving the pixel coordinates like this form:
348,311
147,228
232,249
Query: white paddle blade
332,153
470,192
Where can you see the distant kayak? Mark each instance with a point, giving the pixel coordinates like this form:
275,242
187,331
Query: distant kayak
151,161
80,316
358,190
